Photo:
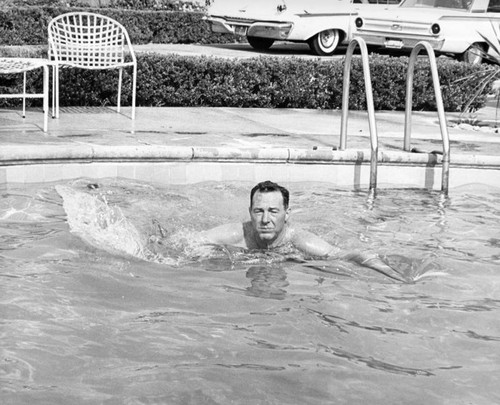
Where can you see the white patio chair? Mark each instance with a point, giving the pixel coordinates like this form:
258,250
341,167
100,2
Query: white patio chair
89,41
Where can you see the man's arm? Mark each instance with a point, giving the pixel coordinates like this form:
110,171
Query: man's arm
228,234
373,261
313,245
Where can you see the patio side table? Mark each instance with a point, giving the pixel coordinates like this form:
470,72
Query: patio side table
10,66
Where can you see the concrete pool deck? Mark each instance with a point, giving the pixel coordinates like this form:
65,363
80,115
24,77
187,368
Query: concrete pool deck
237,135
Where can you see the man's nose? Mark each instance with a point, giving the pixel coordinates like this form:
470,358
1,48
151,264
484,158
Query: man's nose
265,217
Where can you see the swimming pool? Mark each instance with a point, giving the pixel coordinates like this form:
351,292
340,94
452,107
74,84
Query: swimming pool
86,325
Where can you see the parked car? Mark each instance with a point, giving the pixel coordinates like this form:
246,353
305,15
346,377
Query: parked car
461,28
323,24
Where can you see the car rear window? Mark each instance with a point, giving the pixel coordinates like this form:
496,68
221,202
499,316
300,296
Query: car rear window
494,6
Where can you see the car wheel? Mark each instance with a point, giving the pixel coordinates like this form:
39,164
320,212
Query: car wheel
261,44
474,55
325,43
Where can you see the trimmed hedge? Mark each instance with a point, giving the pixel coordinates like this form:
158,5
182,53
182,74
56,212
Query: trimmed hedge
28,25
171,5
298,83
265,82
166,5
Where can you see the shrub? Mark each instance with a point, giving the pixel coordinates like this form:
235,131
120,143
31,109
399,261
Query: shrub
166,5
28,25
265,82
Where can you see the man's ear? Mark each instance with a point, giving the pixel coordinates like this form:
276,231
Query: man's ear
287,213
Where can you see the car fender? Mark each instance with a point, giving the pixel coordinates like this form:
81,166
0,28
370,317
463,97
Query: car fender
308,25
458,37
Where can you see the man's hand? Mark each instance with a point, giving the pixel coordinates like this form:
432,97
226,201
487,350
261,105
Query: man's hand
373,261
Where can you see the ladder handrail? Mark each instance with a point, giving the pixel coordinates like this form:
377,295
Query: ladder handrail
439,103
369,102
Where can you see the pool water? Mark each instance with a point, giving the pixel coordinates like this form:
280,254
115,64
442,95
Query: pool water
109,299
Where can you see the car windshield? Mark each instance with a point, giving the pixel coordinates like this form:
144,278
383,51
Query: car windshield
453,4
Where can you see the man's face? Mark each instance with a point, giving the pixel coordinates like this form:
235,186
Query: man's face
268,215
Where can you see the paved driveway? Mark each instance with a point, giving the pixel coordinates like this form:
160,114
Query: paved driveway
242,51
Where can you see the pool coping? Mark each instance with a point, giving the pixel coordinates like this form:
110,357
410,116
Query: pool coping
180,145
84,153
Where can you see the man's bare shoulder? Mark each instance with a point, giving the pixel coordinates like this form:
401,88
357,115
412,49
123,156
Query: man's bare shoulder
311,244
227,234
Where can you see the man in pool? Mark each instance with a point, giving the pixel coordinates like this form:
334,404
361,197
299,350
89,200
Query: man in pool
269,228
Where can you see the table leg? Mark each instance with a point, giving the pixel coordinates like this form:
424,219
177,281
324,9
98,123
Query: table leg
45,97
24,94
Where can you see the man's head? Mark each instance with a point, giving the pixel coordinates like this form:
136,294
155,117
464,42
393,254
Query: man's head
268,211
268,187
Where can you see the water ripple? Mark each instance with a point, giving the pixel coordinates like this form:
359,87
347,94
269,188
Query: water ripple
474,335
273,346
250,366
341,323
376,364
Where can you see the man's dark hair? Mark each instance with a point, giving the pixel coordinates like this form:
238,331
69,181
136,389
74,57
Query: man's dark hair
267,187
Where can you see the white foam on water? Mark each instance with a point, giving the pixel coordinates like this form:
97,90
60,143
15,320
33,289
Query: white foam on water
104,226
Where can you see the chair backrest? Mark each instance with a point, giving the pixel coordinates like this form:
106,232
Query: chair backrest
88,40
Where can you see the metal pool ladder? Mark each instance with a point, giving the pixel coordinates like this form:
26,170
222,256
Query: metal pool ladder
439,104
408,107
369,105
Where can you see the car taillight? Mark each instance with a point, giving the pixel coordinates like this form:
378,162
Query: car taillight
435,29
358,22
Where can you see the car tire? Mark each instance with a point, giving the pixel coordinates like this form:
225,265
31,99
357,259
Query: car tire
474,54
260,44
325,42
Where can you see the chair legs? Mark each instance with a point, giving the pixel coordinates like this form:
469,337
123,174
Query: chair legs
24,94
134,85
55,90
45,97
120,77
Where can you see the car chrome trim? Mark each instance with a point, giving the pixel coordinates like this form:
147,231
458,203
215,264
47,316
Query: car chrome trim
407,42
307,15
269,30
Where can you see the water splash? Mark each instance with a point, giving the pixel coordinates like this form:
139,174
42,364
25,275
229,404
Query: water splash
104,226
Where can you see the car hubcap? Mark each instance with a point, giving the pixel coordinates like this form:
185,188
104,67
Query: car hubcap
474,55
327,39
